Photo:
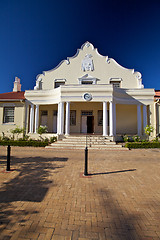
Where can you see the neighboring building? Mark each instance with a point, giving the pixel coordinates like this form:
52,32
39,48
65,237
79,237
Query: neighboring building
157,103
88,93
12,109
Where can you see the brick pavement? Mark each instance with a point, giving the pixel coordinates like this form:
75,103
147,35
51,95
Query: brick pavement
46,196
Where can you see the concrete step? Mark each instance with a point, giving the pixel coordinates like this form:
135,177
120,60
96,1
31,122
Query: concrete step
79,142
79,147
83,146
88,143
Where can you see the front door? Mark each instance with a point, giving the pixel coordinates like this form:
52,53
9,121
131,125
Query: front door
90,124
87,122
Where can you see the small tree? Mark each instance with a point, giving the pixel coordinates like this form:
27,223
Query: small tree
148,130
41,130
17,131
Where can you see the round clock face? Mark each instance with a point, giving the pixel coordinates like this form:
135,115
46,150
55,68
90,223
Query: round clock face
87,96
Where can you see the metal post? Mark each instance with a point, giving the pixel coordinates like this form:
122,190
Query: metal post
86,160
8,157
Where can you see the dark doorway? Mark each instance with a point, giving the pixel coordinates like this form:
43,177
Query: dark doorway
90,124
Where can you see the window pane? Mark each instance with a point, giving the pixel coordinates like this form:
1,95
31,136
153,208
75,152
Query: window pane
87,82
73,117
8,114
100,117
44,113
57,84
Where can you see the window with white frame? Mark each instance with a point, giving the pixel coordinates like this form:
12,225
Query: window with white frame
116,82
8,116
59,82
72,117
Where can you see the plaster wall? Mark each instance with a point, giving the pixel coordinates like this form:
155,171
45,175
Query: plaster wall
19,117
126,119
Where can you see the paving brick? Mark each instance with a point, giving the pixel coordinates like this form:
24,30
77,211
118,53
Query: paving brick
46,198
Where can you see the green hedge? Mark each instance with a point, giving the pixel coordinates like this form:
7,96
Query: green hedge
23,143
143,145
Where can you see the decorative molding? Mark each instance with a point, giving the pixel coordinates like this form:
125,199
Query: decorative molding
38,82
87,63
88,78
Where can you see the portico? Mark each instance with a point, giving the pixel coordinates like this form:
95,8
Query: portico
79,97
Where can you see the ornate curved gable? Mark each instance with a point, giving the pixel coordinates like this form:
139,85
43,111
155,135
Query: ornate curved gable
88,61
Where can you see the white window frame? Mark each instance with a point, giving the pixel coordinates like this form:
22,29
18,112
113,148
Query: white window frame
116,82
10,116
60,81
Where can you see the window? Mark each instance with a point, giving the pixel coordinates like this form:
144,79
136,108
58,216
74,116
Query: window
116,84
100,117
72,117
55,113
87,113
86,82
44,113
59,82
8,115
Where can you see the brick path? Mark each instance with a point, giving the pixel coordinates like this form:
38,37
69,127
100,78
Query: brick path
46,196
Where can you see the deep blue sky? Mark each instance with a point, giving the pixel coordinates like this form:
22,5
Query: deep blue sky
35,35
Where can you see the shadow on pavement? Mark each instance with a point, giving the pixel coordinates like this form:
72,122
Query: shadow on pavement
121,171
31,184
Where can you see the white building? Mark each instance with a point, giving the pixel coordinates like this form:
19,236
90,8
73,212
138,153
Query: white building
90,93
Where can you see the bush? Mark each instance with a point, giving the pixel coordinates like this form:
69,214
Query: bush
23,143
143,145
52,139
136,138
125,138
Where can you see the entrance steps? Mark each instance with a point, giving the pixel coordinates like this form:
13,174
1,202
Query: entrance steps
91,141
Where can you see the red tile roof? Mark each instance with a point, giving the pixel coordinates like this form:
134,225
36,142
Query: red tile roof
157,94
12,96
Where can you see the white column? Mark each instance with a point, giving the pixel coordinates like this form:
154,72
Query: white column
139,119
114,119
105,119
60,118
58,113
31,119
36,118
67,130
144,116
111,123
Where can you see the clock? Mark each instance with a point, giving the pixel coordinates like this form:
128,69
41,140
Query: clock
87,97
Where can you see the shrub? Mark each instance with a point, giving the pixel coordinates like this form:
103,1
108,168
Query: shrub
23,143
148,130
125,138
17,131
136,138
143,145
42,129
52,139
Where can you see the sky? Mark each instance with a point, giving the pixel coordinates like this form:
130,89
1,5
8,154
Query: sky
35,35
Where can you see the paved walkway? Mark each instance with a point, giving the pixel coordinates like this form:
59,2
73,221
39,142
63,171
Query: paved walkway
47,197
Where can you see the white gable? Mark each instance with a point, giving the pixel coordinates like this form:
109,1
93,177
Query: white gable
87,63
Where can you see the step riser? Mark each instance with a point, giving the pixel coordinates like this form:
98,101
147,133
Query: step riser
79,142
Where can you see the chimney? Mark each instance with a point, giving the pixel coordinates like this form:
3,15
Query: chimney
17,85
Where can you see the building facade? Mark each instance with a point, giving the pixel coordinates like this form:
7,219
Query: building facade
90,94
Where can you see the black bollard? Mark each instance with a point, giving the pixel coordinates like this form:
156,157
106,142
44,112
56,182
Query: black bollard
8,157
86,162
